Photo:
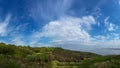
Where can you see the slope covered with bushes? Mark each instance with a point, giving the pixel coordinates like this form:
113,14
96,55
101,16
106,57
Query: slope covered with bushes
12,56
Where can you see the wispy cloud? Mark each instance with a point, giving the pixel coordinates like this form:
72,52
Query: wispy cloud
118,2
49,10
110,26
18,41
3,26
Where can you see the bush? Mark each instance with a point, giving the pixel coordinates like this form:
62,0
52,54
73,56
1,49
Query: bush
37,57
6,63
4,49
30,58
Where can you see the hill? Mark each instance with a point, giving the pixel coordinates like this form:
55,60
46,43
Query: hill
12,56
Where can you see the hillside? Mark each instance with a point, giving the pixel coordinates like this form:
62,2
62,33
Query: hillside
12,56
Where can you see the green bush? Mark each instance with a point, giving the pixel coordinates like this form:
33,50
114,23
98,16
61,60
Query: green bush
30,58
4,49
37,57
6,63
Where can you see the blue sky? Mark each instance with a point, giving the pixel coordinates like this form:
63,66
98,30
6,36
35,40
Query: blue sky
74,24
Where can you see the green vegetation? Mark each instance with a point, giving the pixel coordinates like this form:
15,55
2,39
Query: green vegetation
111,61
12,56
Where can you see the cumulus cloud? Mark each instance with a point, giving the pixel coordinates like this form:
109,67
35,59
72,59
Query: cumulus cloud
72,32
67,29
3,26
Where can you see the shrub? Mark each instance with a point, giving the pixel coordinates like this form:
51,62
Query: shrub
6,63
37,57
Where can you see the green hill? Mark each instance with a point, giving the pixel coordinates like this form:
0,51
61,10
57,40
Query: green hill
12,56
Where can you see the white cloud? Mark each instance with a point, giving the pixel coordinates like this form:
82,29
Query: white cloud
110,26
67,29
17,40
3,26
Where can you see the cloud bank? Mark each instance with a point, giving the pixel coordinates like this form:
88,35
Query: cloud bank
72,31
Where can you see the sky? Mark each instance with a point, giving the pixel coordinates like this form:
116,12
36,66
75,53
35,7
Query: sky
74,24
